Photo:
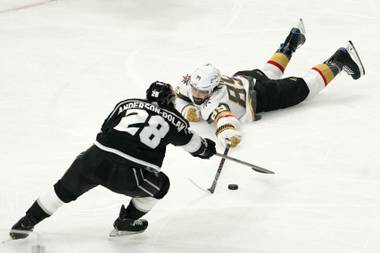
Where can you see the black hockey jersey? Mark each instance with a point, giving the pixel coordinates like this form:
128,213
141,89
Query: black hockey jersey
139,130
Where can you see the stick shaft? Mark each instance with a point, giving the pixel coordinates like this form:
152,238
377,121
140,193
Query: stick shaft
213,186
254,167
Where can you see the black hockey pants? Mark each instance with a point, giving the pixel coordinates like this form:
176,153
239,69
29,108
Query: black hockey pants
274,94
96,167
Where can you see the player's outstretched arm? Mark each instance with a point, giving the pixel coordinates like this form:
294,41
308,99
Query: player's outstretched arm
227,129
197,146
206,150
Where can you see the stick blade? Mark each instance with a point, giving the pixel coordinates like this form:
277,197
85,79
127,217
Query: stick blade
262,170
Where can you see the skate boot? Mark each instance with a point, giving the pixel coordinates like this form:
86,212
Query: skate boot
22,228
294,40
347,59
126,226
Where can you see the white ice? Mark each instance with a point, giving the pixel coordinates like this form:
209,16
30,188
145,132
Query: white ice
65,63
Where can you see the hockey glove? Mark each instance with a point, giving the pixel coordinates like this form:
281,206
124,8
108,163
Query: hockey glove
228,135
191,113
206,150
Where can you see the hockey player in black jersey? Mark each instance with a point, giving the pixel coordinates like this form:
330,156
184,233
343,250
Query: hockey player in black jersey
125,158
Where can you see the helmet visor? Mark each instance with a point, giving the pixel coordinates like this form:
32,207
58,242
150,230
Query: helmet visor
199,96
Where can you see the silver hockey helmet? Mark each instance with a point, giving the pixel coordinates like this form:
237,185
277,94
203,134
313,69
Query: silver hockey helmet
203,81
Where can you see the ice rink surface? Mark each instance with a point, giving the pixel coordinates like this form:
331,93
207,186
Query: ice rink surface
65,63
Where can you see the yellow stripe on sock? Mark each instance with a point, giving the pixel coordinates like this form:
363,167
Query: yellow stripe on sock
325,71
280,60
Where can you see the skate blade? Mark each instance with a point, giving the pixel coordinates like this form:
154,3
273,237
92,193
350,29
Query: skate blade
26,233
7,240
118,233
301,26
355,56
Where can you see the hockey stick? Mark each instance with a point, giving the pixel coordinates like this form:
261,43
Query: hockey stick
197,185
254,167
212,188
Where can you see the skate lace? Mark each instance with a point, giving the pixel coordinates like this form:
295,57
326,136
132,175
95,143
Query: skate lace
137,223
348,70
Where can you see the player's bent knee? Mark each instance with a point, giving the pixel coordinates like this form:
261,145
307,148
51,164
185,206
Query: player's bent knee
64,194
164,186
292,90
303,89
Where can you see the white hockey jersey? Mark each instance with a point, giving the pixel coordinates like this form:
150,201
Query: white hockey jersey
231,95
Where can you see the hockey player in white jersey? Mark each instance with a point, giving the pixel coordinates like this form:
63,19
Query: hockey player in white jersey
226,101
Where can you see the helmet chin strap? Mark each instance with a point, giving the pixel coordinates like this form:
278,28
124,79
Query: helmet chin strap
199,96
199,101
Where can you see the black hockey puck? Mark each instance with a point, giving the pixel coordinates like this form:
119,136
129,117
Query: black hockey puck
233,186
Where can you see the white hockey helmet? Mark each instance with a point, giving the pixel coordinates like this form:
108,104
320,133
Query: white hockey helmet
205,78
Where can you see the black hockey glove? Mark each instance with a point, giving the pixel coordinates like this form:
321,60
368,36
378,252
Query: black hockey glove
206,150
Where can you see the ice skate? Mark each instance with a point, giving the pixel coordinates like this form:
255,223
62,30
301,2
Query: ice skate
294,40
347,59
126,226
22,228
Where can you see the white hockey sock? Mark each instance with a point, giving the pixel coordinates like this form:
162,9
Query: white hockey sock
272,71
50,202
314,82
144,204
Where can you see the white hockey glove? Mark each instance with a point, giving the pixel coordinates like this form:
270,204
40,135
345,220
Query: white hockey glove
227,129
228,135
191,113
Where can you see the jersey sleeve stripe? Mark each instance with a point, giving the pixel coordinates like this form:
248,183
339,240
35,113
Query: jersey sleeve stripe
194,144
